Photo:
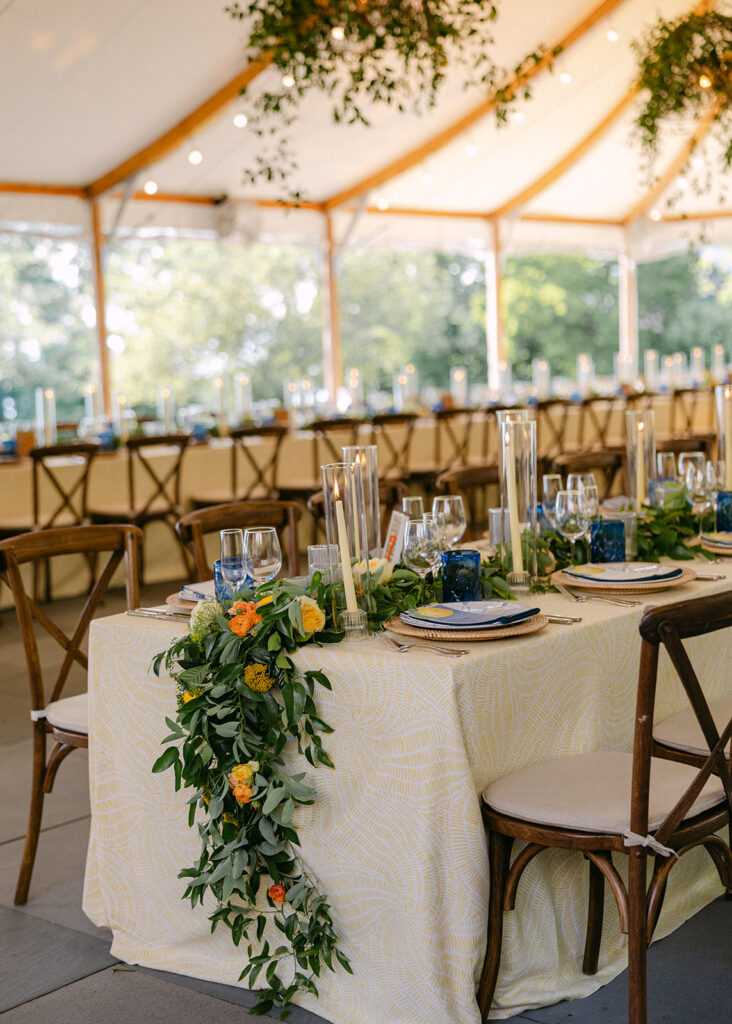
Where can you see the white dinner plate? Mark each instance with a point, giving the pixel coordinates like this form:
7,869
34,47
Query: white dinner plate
468,615
623,572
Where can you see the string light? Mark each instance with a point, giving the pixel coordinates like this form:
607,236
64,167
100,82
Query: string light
240,120
150,187
705,81
338,33
195,156
288,81
612,35
655,215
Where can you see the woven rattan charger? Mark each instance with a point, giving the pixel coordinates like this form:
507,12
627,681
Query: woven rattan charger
687,576
528,626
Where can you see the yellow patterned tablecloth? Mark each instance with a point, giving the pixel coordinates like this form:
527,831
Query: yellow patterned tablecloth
395,835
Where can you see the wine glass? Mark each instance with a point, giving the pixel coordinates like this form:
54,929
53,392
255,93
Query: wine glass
696,486
551,486
716,478
572,514
578,481
439,519
690,459
413,506
233,561
666,466
451,505
263,554
422,546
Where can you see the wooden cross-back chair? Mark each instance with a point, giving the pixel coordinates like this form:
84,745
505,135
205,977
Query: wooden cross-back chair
193,528
163,503
450,448
611,802
605,465
328,437
480,488
392,433
684,405
391,493
595,421
262,461
70,497
677,445
65,719
552,415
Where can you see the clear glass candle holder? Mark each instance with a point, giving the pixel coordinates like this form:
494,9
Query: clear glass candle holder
640,446
366,457
518,500
723,404
345,528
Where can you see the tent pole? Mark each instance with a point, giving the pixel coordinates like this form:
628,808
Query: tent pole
628,304
493,313
332,357
100,304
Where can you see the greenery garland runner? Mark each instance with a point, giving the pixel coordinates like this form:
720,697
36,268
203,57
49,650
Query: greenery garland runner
241,701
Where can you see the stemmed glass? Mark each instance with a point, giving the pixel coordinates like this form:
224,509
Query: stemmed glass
696,486
413,506
423,546
439,519
233,562
572,515
716,479
451,506
551,486
263,554
578,481
666,466
687,459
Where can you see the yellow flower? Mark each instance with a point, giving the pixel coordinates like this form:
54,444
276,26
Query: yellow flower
257,678
229,818
267,599
313,616
188,696
242,773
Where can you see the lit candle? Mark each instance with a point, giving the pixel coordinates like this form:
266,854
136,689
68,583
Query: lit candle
91,403
459,386
650,366
517,557
541,377
348,586
640,469
166,413
718,364
728,438
243,398
220,406
697,365
122,417
45,416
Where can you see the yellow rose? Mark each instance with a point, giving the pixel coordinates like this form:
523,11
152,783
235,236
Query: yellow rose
267,599
188,696
313,616
242,773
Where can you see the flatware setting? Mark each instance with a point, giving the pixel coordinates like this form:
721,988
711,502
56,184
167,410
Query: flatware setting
581,598
401,648
159,613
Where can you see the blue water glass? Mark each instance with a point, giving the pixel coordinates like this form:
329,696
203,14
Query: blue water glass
461,576
224,590
607,541
724,511
200,432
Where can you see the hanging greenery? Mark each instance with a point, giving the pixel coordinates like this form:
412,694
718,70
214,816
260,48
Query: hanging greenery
684,68
359,52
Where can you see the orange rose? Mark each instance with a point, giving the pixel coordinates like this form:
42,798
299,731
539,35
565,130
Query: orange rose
242,794
277,893
246,617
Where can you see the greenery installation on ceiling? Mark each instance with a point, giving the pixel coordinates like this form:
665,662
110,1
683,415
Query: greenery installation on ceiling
684,70
365,52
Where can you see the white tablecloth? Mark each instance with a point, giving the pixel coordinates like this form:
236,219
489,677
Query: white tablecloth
395,835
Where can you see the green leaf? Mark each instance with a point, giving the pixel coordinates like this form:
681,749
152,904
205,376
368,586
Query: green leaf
166,760
274,797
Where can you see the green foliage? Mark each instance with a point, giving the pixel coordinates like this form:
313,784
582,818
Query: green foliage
674,58
376,52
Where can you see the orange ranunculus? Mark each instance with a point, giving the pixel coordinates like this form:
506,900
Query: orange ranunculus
246,616
277,893
242,793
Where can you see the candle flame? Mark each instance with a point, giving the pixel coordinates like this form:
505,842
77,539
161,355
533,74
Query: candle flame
336,492
165,393
727,393
641,426
507,438
218,383
48,393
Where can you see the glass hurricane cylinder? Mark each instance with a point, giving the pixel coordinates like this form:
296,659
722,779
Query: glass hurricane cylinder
541,376
650,369
640,446
697,366
459,386
367,458
45,417
723,402
345,527
585,374
243,408
518,500
719,365
166,410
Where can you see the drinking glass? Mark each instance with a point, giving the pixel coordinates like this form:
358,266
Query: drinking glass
413,507
551,484
690,459
322,558
666,466
572,515
578,481
716,479
439,519
451,506
233,561
263,555
696,486
422,546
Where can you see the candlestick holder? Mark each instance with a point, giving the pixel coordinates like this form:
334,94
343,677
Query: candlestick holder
518,500
345,527
723,403
366,457
640,446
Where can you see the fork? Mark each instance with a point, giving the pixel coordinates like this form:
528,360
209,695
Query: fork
400,648
622,601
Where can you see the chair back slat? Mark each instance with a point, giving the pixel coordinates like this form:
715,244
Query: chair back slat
452,436
72,498
667,627
385,428
31,548
477,485
328,438
192,528
263,463
606,465
165,485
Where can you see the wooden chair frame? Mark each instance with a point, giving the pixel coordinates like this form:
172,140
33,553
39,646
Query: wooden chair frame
552,415
323,441
192,528
121,542
597,413
639,904
609,464
265,471
471,482
86,452
398,455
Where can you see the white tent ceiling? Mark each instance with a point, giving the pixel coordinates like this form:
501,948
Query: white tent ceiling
85,86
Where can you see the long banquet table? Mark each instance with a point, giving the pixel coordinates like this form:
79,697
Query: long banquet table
395,835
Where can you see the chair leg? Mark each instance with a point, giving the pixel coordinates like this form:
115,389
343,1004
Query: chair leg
637,938
35,815
499,854
595,914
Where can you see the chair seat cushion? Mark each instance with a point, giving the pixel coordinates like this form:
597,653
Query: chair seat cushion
591,792
682,731
69,713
